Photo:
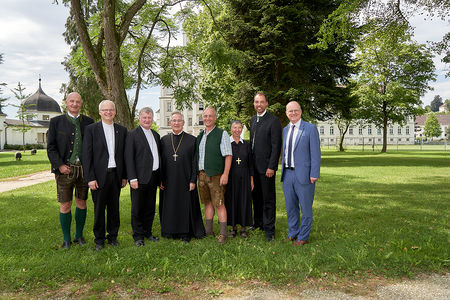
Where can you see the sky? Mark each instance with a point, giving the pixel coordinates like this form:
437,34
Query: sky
32,45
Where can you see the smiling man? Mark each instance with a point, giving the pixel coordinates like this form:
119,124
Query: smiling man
64,150
300,171
214,161
179,207
142,157
104,171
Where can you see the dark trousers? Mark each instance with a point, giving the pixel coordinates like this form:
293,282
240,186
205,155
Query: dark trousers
143,203
264,203
107,198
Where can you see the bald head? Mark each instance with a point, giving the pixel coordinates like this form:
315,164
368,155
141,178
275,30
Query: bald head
293,111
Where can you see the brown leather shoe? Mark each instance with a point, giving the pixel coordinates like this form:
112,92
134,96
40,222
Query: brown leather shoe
300,243
290,239
221,239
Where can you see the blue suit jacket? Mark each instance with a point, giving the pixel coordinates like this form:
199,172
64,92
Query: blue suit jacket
306,152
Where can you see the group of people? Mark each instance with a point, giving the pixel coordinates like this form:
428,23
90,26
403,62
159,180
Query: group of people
227,174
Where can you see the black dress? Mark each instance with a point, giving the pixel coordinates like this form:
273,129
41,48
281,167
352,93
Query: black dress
238,194
179,208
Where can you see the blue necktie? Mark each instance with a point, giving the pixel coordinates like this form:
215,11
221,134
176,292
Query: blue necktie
290,142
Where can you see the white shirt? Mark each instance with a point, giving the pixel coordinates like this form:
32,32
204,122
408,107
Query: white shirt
153,147
73,115
258,116
108,129
294,138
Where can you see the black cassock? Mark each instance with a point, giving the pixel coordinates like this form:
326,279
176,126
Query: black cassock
179,208
238,196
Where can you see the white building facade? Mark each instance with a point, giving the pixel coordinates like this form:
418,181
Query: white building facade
193,122
366,134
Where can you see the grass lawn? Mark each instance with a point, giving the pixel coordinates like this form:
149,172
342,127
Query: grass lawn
375,214
28,164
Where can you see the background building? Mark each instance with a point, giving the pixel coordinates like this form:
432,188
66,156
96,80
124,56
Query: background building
444,121
193,121
43,109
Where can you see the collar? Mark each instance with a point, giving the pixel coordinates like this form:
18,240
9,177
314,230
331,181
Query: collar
145,130
72,116
296,124
261,115
206,133
108,125
178,133
240,139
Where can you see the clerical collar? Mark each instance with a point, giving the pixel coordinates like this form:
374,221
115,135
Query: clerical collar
177,133
108,125
240,139
70,115
261,115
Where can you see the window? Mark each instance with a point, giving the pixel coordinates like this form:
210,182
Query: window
370,140
331,130
407,130
369,130
360,131
190,122
169,106
200,106
391,139
378,130
379,140
321,141
45,117
350,131
332,140
391,130
322,130
168,120
407,139
399,130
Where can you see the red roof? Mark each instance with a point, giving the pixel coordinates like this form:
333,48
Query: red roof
442,119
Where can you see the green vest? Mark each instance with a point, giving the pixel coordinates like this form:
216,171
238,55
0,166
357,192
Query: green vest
214,161
77,141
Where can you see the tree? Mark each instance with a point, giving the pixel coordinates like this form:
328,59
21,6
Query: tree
2,99
119,46
22,113
436,103
432,127
447,132
447,103
394,73
254,46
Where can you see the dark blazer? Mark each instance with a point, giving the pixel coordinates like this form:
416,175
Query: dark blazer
267,142
138,156
96,156
61,135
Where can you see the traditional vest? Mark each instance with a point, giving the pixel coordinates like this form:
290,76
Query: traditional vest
77,141
214,161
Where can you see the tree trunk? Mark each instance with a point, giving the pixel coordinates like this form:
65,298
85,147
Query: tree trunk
342,136
113,66
385,123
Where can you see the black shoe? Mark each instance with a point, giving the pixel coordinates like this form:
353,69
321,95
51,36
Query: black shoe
186,239
152,238
139,243
99,247
66,245
270,238
79,241
113,243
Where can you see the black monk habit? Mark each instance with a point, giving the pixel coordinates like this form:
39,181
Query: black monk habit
179,208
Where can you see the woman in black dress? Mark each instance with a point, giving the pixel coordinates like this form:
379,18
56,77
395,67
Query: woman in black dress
240,183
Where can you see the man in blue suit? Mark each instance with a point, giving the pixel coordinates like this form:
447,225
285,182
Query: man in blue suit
300,171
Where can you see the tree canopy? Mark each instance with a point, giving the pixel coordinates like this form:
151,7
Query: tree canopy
436,103
432,127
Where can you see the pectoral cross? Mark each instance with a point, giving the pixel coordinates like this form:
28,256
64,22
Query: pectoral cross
175,157
238,161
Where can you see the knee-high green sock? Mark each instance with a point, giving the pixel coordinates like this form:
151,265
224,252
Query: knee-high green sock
80,219
66,221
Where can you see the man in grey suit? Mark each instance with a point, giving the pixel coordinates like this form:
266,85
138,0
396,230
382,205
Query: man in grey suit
300,171
104,171
265,138
142,158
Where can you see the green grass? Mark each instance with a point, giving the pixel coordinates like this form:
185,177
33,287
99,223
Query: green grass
28,164
374,215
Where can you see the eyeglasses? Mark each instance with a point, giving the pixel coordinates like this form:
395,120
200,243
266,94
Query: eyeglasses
176,121
293,111
108,110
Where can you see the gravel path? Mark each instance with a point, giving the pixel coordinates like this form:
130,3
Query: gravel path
8,184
